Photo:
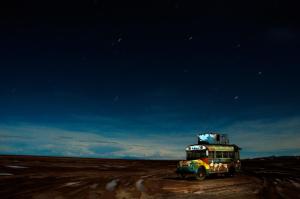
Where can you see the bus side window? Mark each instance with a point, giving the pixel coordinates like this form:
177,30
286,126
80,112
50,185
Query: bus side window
230,154
211,154
218,154
225,154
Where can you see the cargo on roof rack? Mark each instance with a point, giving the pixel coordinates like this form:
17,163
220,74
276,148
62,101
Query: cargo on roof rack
212,138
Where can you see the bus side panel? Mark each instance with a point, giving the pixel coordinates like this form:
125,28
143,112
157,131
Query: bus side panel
220,165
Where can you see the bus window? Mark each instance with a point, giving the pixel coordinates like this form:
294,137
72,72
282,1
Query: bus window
225,154
193,155
218,154
230,154
211,154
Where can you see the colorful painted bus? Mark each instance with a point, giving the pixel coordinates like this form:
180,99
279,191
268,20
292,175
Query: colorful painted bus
205,159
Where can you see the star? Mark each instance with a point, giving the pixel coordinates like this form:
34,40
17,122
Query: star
118,40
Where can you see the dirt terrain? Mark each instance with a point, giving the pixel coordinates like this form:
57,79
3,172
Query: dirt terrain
52,177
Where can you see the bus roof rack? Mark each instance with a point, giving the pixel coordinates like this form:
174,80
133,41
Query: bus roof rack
234,145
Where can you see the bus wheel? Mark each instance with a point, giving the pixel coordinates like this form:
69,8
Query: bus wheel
231,171
201,173
182,175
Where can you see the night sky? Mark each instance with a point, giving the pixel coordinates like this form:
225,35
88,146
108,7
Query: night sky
140,79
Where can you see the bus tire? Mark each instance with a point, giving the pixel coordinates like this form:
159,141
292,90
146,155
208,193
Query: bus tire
201,173
182,175
231,171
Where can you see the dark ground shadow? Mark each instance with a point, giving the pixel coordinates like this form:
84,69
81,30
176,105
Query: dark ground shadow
193,178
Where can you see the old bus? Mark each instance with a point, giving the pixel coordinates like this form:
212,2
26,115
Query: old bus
205,159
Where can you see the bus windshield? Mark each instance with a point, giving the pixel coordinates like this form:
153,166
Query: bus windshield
192,155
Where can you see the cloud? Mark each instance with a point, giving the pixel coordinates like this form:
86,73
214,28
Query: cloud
4,136
256,137
272,137
41,140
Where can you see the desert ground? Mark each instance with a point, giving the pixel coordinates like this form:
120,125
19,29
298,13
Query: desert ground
57,177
